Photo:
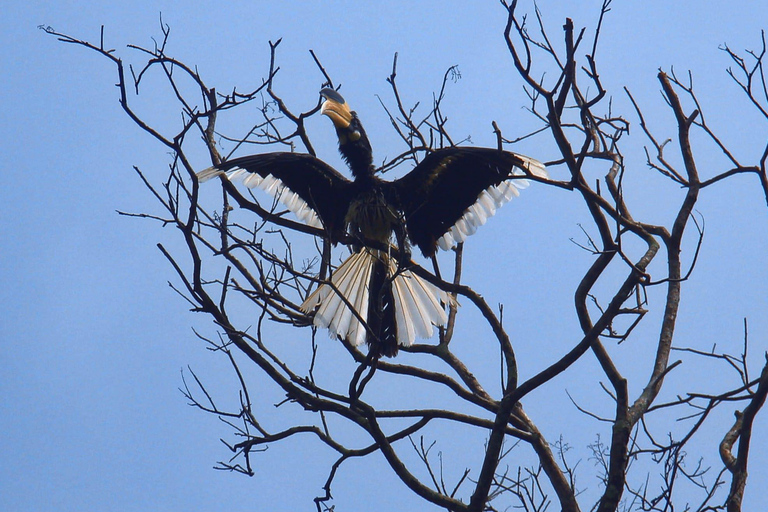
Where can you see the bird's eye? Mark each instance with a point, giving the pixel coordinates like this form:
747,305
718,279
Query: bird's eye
354,136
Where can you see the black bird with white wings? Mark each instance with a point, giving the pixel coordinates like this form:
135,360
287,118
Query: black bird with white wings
441,202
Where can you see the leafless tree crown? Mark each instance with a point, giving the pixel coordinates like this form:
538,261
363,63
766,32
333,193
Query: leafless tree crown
248,266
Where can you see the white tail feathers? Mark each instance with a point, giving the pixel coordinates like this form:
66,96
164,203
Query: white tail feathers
490,200
419,304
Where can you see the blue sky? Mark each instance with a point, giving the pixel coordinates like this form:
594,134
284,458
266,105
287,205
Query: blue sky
94,340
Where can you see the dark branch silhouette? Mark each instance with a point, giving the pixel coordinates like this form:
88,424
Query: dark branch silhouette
241,253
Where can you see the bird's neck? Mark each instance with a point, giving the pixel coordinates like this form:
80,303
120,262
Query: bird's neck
364,173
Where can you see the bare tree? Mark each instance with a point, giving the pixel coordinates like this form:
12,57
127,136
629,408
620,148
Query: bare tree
242,254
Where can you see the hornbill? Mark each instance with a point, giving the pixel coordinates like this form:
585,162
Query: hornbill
440,202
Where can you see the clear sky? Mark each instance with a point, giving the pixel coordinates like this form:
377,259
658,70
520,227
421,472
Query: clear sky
93,340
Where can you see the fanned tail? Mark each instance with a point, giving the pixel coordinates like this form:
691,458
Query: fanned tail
395,310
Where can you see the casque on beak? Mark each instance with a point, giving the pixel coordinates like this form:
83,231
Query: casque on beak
336,109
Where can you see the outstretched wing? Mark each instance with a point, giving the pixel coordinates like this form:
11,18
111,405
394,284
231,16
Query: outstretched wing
455,190
316,193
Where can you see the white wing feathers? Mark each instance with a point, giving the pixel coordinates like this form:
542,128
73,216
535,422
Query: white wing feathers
270,185
490,200
418,303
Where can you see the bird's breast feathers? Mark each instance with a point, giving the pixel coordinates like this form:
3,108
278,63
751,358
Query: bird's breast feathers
372,216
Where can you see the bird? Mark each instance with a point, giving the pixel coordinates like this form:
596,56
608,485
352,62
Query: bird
373,296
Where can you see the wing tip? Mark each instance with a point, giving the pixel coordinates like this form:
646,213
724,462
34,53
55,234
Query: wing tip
534,167
209,173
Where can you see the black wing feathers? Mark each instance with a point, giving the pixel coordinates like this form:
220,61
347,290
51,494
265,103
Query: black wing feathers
318,184
436,193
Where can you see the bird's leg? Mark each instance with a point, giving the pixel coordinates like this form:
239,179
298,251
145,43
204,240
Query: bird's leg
436,267
404,248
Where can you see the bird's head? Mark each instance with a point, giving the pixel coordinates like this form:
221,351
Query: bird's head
353,142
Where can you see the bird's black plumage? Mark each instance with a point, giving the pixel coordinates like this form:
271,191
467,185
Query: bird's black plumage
438,191
440,202
318,184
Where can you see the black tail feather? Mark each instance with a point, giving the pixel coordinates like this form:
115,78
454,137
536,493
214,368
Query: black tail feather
381,311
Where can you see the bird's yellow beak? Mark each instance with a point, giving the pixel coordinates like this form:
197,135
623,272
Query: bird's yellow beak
336,108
